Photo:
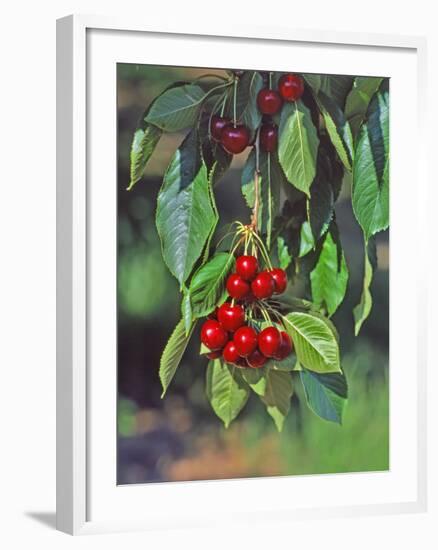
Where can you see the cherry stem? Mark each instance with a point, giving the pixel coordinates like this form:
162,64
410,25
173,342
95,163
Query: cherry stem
270,80
235,102
255,211
265,314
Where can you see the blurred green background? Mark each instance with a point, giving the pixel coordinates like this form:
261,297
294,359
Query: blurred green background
179,437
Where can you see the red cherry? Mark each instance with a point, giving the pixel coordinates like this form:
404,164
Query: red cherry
213,335
235,138
230,354
285,348
256,359
291,87
237,287
280,279
217,124
263,285
269,102
269,341
231,317
247,267
214,354
245,339
241,362
269,137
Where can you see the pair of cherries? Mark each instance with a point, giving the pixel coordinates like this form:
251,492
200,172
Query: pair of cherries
246,347
248,283
236,137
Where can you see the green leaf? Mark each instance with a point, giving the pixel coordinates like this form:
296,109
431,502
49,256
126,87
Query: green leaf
255,378
370,194
326,394
173,353
336,87
185,214
313,80
247,111
176,108
207,287
315,344
298,145
277,395
186,311
321,204
329,277
363,309
356,105
143,145
338,128
284,257
225,390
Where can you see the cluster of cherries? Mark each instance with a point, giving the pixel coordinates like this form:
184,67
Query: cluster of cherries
234,138
226,333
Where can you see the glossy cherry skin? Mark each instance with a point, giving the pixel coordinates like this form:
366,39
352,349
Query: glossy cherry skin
263,285
269,137
231,317
269,341
230,354
235,139
269,101
236,287
245,339
213,335
217,124
214,354
291,87
280,280
247,267
241,362
285,348
256,359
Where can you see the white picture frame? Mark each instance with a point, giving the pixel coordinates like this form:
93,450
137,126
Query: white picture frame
86,500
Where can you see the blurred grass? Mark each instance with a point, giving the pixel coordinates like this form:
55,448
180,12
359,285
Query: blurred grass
179,438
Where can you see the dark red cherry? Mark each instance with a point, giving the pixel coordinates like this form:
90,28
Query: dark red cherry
285,348
269,341
230,354
269,102
231,317
213,335
247,267
245,339
291,87
235,139
269,137
241,362
217,124
263,285
236,287
256,359
280,280
214,354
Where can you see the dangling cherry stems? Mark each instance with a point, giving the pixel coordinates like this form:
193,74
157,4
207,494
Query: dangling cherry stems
235,102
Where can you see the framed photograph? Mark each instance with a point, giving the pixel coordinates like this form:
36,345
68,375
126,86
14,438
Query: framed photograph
234,333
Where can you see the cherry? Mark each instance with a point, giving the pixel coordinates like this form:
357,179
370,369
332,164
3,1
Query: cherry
237,287
256,359
269,102
241,362
214,354
291,87
217,124
245,339
280,279
269,341
263,285
269,137
231,317
247,267
213,335
235,138
230,354
285,348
